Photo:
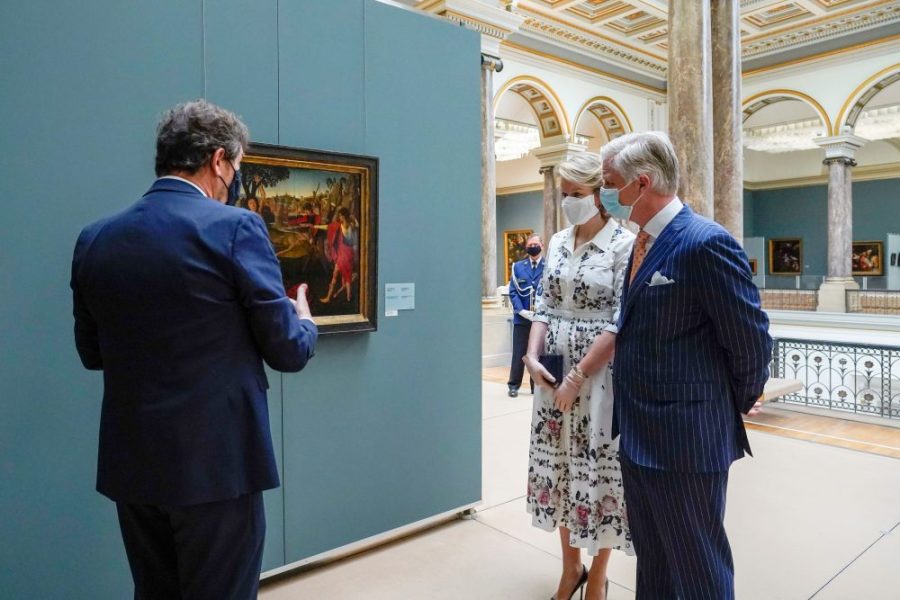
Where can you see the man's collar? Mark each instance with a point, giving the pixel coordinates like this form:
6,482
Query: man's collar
665,216
187,181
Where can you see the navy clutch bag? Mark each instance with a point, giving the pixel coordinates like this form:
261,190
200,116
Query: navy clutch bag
554,364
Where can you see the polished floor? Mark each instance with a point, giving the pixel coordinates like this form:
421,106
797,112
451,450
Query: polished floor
806,520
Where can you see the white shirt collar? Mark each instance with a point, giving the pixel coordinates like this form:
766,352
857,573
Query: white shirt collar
662,219
184,180
601,240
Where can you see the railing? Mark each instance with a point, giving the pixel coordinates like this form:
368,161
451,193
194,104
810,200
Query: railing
789,299
853,378
880,302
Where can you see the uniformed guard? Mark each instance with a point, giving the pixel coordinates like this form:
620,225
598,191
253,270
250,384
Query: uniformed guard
524,287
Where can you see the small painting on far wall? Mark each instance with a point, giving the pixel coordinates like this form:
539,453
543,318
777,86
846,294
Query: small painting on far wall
894,259
753,266
786,256
868,259
514,248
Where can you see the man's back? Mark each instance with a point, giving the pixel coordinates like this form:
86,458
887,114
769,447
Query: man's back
178,299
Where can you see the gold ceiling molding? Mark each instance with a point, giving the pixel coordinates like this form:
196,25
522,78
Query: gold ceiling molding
825,27
823,55
861,95
758,101
587,69
538,94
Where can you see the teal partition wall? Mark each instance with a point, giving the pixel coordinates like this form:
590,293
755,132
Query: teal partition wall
382,429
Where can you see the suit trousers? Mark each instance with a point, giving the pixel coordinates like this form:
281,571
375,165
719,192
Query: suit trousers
202,552
521,331
677,526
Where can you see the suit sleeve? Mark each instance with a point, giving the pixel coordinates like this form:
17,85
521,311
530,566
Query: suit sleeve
285,341
731,301
514,296
87,340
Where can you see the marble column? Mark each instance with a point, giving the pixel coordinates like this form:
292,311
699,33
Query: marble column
728,152
552,217
489,64
690,102
839,158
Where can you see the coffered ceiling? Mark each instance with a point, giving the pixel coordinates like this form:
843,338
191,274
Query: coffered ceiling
633,34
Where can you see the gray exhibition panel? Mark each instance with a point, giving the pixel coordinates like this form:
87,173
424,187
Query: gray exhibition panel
382,429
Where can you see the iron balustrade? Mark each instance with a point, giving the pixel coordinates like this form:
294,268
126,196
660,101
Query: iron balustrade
856,378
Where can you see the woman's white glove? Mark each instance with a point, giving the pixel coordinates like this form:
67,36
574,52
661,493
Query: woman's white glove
539,374
527,314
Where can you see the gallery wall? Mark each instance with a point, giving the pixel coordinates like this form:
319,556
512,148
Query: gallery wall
377,432
523,210
803,212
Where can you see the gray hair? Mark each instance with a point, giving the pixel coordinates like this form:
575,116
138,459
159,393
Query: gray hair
584,168
649,153
188,134
532,236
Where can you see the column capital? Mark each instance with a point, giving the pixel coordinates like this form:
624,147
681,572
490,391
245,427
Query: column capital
486,17
841,160
552,155
840,146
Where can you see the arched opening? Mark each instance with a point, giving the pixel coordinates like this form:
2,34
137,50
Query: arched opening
781,122
600,120
872,112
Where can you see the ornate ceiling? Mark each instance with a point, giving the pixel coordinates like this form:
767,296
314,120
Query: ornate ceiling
633,34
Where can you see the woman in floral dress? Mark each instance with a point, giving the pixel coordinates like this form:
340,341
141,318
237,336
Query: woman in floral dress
574,479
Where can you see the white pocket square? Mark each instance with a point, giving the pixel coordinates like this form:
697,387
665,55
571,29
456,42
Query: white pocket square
660,279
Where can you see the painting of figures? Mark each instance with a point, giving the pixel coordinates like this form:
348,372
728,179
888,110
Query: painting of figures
320,211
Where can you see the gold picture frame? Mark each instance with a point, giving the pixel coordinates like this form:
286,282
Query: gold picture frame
514,242
785,256
868,259
320,210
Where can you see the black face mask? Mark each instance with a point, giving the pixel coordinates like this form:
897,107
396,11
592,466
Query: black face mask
234,190
533,250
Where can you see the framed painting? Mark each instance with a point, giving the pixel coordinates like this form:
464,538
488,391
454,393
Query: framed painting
785,256
868,259
753,266
514,248
320,209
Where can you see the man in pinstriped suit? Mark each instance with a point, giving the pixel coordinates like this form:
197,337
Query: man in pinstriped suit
692,353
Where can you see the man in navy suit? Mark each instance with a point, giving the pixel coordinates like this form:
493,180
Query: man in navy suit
178,299
524,283
692,354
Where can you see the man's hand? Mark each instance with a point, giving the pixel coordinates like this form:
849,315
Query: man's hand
565,394
539,374
300,304
757,408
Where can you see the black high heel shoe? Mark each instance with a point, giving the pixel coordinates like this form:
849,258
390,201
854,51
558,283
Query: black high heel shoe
579,587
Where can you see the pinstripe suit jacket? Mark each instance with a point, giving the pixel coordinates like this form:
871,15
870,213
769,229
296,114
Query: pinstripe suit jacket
691,355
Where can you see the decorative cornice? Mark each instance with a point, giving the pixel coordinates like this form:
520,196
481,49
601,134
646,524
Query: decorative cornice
561,33
493,23
518,189
764,44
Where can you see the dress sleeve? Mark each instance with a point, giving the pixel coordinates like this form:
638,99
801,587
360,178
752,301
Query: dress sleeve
620,265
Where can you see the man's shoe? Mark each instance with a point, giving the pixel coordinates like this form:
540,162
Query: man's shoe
513,392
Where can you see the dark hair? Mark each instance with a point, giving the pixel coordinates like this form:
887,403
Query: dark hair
188,134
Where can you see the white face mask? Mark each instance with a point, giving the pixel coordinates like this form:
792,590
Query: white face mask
579,210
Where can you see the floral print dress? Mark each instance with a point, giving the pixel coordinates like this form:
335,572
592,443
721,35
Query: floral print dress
574,478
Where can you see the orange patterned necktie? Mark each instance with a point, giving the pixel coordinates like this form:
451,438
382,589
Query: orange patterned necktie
640,251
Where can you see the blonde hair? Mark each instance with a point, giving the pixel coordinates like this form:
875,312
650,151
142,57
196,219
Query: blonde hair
584,168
